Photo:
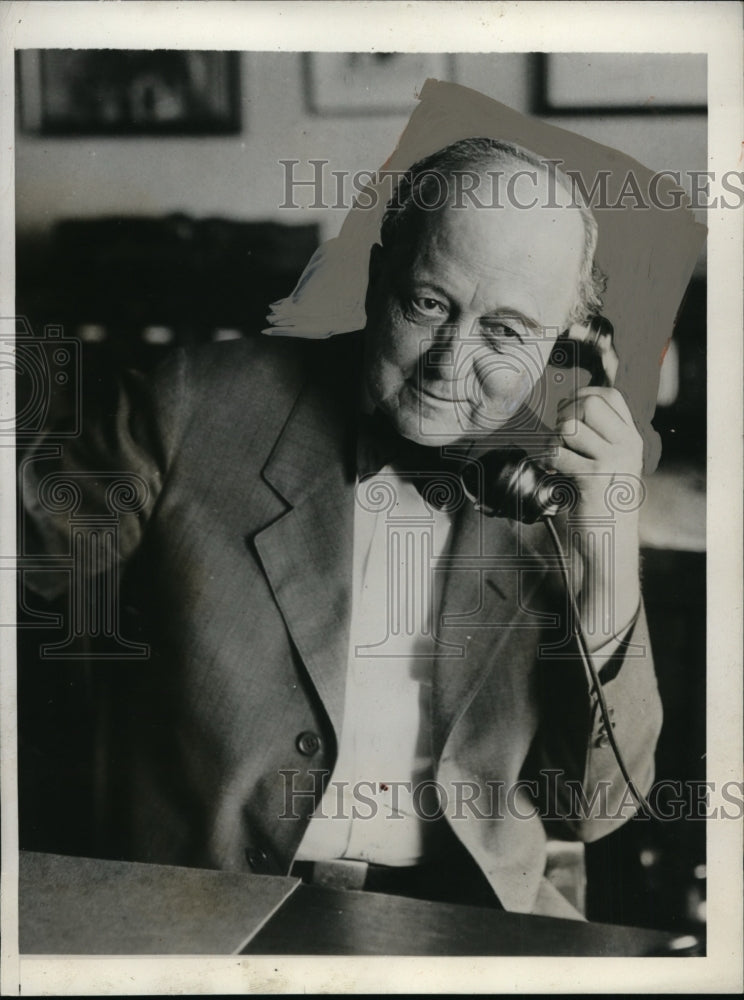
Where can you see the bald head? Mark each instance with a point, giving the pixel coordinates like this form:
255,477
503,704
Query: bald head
463,176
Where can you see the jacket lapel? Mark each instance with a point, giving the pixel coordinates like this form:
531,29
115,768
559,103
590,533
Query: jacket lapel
307,552
492,567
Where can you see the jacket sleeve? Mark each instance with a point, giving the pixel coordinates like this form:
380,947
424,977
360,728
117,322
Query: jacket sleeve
110,474
585,788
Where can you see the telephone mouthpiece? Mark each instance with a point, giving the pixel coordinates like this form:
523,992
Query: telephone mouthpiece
509,484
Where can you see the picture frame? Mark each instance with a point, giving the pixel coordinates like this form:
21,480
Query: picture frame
373,83
636,83
126,92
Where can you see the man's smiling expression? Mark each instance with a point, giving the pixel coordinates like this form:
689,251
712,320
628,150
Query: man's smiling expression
460,329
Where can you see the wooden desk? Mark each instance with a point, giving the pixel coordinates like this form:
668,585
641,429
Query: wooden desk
315,921
86,906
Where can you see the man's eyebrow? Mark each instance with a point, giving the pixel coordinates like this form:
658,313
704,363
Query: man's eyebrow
506,312
432,286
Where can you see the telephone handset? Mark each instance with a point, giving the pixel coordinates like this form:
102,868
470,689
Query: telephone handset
508,483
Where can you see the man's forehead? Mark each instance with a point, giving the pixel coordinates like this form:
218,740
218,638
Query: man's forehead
476,233
493,258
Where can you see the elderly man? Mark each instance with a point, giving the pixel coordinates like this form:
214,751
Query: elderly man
348,680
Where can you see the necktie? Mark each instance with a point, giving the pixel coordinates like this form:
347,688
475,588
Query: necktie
434,471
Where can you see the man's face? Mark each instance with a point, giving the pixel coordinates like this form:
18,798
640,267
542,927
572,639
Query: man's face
459,331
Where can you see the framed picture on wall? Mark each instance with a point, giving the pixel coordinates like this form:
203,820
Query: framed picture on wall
353,83
70,92
602,83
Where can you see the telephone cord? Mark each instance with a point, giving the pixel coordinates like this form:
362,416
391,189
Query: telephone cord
592,671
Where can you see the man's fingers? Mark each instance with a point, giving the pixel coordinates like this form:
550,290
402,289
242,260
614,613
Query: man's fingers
570,463
595,413
580,438
611,397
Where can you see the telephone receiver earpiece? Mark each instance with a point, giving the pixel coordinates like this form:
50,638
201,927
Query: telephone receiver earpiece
507,482
590,347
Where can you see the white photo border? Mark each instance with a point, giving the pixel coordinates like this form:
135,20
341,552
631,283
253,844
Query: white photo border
712,27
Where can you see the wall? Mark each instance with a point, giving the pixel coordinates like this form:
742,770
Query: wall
239,176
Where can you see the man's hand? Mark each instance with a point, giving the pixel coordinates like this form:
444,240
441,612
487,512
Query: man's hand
602,451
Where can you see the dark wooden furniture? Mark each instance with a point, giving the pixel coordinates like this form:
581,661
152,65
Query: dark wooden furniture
90,906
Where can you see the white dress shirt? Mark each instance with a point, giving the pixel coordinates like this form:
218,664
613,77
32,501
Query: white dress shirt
381,790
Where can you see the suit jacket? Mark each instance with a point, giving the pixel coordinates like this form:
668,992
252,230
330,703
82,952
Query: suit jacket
237,572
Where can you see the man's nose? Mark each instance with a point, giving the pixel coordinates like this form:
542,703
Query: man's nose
440,356
450,354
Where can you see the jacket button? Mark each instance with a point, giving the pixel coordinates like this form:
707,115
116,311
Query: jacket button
308,743
256,858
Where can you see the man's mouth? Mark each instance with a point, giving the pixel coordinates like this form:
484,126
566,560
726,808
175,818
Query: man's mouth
440,396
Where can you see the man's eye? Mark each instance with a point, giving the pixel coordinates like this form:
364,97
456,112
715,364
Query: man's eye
429,306
499,330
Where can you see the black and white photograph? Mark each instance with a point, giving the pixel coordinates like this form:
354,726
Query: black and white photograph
368,419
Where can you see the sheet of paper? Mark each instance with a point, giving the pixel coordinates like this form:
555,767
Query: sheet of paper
73,906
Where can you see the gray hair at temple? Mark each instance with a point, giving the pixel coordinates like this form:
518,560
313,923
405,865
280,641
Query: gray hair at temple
421,189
